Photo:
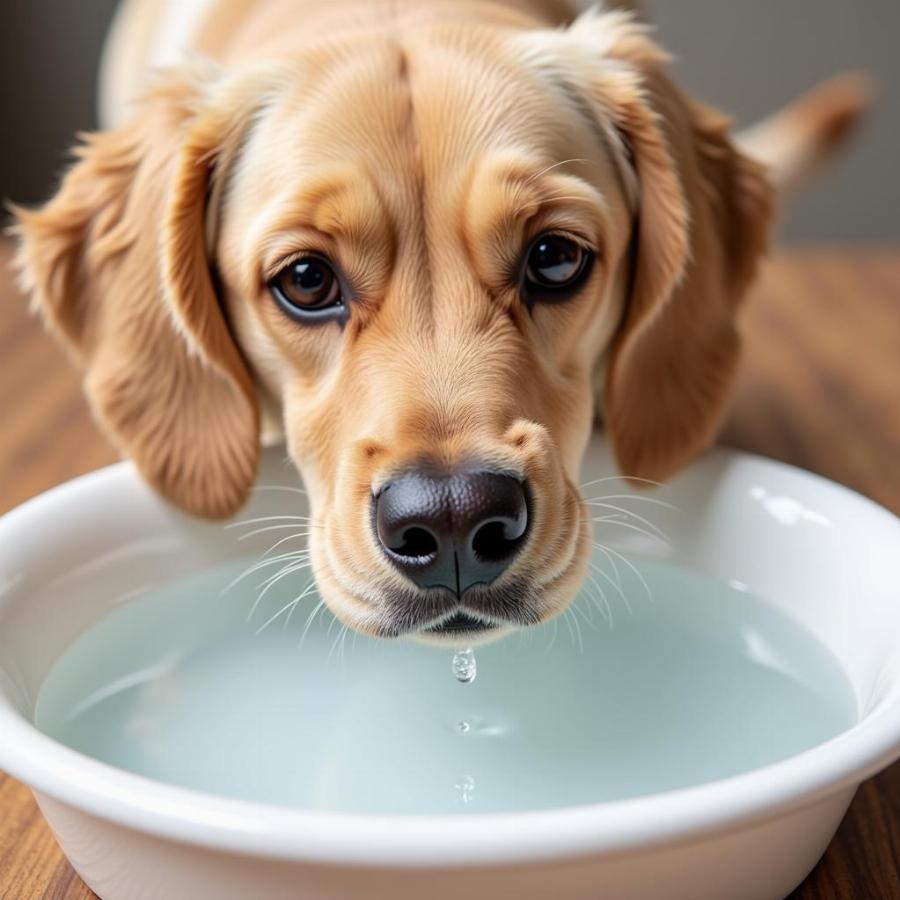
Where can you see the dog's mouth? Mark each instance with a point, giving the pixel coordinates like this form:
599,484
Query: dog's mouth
484,611
460,624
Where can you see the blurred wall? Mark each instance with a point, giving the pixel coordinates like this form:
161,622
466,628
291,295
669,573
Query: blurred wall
745,56
49,51
749,56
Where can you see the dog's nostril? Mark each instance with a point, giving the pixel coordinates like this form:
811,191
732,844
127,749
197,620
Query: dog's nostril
491,543
418,543
451,531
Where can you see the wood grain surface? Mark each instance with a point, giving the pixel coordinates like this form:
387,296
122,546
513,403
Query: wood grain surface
819,388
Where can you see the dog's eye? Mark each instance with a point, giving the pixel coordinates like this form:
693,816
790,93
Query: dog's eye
554,267
308,289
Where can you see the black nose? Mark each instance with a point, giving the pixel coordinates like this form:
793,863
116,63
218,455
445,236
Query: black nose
452,531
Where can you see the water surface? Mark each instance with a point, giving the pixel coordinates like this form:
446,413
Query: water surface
698,681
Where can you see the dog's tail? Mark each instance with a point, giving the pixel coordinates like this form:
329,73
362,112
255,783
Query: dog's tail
802,137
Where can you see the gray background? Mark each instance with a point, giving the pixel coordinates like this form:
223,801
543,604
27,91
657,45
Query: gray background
745,56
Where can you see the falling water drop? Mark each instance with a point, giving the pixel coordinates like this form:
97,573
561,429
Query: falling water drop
464,666
465,789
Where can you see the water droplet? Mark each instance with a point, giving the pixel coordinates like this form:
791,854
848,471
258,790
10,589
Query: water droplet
480,728
464,666
465,789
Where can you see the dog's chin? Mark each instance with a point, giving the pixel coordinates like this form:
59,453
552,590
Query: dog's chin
462,629
437,616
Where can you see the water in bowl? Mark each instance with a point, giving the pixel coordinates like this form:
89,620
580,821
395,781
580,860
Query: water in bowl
699,681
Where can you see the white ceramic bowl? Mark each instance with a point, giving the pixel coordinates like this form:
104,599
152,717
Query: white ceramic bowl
831,561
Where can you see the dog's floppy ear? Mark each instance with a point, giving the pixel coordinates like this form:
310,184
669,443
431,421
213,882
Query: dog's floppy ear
117,264
701,226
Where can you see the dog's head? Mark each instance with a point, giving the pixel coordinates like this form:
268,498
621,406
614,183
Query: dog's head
417,253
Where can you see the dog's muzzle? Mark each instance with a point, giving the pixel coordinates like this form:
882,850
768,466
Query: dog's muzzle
452,531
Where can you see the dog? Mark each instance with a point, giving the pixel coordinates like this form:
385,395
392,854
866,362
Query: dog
427,244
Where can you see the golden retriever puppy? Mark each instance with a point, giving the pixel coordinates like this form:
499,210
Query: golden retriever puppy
426,243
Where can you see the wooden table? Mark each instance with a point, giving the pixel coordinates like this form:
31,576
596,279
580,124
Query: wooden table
820,388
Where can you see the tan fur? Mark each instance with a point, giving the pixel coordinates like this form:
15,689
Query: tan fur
420,146
117,265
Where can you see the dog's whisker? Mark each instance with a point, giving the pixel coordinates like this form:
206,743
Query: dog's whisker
619,519
316,610
581,487
280,487
575,629
553,637
639,497
264,560
258,519
290,570
284,540
606,609
615,520
644,521
310,588
612,562
336,641
528,634
302,561
596,595
616,587
523,636
266,555
269,528
269,583
550,168
290,606
580,612
259,564
565,618
628,563
283,565
615,568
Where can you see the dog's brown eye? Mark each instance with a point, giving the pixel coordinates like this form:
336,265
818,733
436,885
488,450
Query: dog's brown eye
555,265
308,289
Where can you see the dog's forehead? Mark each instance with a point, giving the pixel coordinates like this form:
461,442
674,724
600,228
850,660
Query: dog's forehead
414,116
389,146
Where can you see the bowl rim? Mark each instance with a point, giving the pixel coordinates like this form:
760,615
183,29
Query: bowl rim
327,837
